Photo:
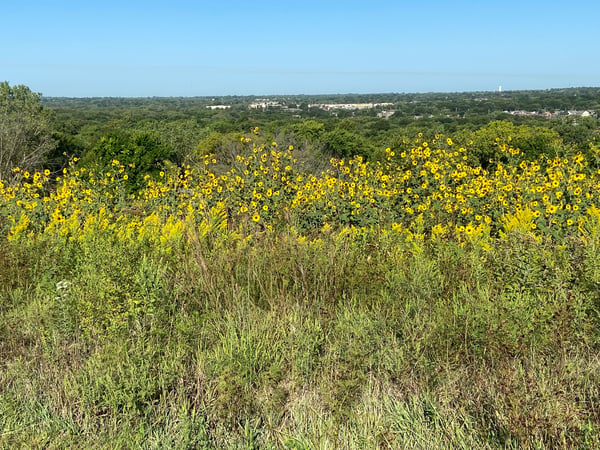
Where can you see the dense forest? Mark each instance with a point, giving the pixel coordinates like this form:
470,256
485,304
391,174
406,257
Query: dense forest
338,125
300,272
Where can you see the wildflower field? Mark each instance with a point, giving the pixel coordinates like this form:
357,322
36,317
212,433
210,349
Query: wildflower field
419,301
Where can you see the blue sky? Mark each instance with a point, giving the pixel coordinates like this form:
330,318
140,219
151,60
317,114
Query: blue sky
265,47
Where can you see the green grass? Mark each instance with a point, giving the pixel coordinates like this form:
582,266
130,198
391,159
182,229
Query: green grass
357,341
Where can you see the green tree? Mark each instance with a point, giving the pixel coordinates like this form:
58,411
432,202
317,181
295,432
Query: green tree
308,131
532,141
342,143
578,133
143,153
225,146
25,130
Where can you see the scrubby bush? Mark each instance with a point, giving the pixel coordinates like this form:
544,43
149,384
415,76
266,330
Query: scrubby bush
143,154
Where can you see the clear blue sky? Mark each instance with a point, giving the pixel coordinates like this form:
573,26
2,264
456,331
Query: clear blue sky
187,48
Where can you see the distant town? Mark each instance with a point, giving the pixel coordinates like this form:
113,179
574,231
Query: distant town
386,109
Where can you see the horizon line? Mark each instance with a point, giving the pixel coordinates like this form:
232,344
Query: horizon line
496,91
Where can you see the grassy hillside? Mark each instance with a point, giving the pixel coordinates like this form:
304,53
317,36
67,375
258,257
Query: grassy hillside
418,302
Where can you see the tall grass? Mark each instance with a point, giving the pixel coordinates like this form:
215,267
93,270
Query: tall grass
351,340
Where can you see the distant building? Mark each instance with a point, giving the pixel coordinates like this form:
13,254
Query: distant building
264,104
386,114
581,113
348,106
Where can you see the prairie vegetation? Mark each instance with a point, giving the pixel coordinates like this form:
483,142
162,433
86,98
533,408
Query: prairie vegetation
419,300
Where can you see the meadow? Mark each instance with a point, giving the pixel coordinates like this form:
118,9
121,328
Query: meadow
425,300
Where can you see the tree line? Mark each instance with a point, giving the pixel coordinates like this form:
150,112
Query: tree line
37,132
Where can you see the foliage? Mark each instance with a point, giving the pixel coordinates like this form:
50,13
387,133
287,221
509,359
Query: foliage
183,123
429,191
309,131
25,131
342,143
142,153
417,301
532,142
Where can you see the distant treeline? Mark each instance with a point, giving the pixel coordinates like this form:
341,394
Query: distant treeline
193,126
184,129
